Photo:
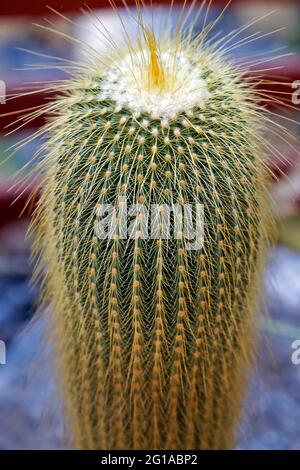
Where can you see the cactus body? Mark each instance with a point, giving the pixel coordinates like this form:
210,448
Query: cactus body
154,338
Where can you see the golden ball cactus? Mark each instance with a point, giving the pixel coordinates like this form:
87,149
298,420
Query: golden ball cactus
154,333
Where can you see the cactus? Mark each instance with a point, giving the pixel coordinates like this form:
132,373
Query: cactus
154,339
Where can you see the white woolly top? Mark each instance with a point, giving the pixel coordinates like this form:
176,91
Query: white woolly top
125,82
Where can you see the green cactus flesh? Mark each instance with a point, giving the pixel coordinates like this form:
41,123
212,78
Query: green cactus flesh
154,339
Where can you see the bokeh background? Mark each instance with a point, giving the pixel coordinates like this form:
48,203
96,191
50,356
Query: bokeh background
30,414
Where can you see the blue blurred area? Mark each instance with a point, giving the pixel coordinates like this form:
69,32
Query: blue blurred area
17,300
17,65
272,411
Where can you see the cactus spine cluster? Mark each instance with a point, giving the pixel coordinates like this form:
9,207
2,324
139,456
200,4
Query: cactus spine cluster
154,338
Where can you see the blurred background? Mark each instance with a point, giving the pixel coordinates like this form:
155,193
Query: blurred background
29,402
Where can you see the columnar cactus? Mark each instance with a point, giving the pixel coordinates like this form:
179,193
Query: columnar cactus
154,333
